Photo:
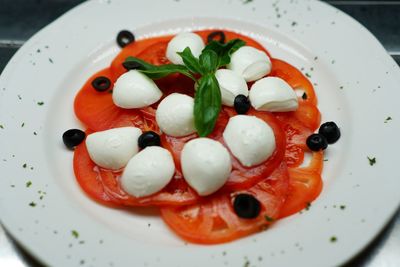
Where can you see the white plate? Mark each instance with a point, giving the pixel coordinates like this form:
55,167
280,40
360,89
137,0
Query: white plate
357,84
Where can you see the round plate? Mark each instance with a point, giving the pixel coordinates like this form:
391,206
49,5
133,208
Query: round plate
356,83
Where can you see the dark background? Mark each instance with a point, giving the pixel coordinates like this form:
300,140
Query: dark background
20,19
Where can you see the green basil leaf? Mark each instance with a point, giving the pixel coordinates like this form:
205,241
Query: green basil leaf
191,62
207,104
156,72
224,51
209,61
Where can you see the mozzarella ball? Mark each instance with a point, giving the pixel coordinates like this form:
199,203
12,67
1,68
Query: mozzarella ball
250,139
180,42
133,89
148,172
206,165
273,94
112,149
231,85
175,116
251,63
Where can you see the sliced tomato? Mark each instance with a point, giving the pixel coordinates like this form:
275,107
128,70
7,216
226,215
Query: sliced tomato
295,78
305,185
103,185
134,49
213,220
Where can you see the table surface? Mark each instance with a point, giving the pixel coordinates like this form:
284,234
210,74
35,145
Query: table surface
20,19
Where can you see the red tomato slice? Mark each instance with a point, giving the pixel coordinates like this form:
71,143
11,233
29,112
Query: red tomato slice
213,220
103,185
305,185
295,78
241,177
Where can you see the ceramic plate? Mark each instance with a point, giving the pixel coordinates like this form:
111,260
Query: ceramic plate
356,82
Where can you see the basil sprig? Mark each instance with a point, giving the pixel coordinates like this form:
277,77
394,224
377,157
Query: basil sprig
207,100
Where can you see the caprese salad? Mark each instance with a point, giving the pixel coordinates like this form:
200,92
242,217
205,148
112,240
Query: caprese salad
205,125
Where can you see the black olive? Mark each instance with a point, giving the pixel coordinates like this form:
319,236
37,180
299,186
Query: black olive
246,206
331,131
124,38
132,65
73,137
317,142
149,138
241,104
101,84
220,37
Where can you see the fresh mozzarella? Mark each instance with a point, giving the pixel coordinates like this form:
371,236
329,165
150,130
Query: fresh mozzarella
251,63
148,172
231,85
180,42
206,165
112,149
250,139
273,94
174,115
135,90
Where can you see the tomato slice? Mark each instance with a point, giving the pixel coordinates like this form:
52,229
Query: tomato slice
295,78
103,185
305,185
213,220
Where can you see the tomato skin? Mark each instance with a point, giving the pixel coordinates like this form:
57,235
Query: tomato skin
294,78
214,221
103,185
305,185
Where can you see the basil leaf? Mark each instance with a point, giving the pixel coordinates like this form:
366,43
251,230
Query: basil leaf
224,51
191,62
207,104
156,72
209,61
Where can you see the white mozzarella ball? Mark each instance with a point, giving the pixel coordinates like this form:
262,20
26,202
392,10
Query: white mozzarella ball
112,149
250,139
251,63
133,89
231,85
180,42
148,172
273,94
175,116
206,165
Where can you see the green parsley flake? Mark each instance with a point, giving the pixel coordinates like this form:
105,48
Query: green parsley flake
32,204
388,119
333,239
24,165
75,234
308,75
247,1
341,87
294,23
28,184
41,103
23,124
372,161
34,133
1,126
269,219
246,263
342,207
